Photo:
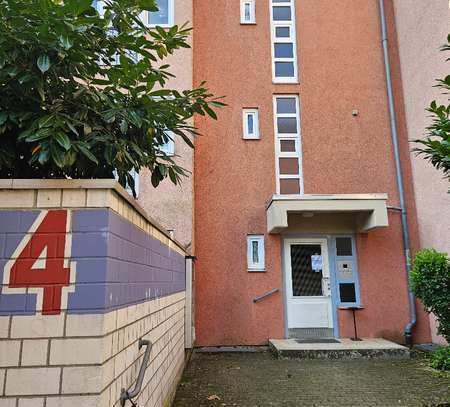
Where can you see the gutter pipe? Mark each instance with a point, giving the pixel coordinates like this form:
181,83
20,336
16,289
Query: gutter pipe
398,170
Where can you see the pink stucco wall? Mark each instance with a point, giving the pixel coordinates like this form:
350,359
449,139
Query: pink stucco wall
422,27
172,205
341,69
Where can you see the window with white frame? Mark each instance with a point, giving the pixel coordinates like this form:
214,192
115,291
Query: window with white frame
284,47
168,148
164,17
288,145
248,12
250,122
255,253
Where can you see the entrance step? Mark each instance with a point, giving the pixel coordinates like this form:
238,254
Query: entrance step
369,348
311,333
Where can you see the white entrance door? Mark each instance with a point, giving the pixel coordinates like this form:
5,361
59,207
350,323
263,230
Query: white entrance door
308,284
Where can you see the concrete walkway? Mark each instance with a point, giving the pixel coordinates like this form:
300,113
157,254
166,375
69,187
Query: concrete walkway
260,380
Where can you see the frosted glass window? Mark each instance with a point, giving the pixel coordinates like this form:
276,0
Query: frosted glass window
250,124
282,32
282,13
284,50
287,125
255,253
286,105
284,69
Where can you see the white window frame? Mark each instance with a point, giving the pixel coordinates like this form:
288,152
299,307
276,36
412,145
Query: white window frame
246,135
251,265
292,39
252,5
171,19
296,137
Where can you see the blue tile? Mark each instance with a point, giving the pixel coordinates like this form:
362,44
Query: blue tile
90,244
9,221
90,220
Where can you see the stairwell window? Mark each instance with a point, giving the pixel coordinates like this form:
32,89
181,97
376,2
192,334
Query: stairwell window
250,123
284,47
288,149
255,253
248,11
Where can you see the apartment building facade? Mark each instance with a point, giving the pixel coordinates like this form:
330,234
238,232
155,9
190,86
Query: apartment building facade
296,195
421,64
297,214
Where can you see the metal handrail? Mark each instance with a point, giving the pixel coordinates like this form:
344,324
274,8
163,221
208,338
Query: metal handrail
265,295
130,395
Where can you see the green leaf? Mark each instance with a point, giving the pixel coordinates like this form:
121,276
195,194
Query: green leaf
3,118
65,41
43,63
63,140
88,154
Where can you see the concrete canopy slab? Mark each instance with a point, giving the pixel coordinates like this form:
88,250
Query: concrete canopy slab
369,210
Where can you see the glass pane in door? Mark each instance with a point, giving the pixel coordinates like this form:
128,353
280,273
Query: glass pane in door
305,281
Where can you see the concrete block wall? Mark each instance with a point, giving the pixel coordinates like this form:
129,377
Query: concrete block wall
74,341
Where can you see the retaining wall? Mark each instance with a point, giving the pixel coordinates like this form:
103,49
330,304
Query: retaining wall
85,274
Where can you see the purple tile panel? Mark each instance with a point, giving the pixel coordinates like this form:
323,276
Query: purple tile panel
13,226
117,264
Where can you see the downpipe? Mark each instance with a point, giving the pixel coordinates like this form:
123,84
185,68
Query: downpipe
398,170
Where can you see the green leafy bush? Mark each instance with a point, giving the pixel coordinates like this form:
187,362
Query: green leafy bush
84,95
430,281
441,359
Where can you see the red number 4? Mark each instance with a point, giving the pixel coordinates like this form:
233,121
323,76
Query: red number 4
41,263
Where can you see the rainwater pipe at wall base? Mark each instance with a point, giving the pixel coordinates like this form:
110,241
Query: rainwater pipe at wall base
401,192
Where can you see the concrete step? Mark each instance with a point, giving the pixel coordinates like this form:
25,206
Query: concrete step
369,348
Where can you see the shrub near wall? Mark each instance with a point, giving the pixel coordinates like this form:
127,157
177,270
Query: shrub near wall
430,280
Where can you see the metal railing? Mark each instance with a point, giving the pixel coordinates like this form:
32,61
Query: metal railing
130,395
265,295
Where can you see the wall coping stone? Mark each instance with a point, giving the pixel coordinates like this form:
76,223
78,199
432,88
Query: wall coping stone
100,193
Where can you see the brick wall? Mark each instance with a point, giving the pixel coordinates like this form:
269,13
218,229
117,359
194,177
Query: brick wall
125,281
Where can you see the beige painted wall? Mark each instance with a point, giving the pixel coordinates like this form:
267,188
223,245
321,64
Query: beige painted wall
422,27
172,205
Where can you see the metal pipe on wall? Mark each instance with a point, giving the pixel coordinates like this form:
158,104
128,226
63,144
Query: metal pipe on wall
398,170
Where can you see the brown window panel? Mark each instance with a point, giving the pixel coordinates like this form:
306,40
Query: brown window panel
289,166
289,186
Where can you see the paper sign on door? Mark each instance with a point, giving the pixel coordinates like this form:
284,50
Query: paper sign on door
316,262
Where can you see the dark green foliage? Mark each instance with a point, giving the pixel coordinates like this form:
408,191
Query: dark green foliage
430,280
436,146
67,109
441,359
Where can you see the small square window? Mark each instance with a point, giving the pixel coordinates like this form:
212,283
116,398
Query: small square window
248,11
255,253
283,32
282,13
250,119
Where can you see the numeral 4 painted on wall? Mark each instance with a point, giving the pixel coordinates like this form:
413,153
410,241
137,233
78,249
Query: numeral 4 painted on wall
41,263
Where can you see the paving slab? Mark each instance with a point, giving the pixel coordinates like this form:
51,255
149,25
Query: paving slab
260,380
